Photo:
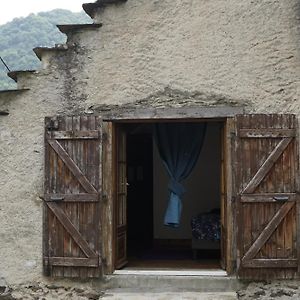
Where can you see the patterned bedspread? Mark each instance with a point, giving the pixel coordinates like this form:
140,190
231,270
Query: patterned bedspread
206,226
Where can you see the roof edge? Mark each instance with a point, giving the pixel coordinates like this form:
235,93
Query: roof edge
13,91
14,74
66,28
39,50
90,8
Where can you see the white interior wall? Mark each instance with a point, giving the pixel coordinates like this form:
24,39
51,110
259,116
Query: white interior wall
202,187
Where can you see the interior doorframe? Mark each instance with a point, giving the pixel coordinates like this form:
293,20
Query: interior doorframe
112,120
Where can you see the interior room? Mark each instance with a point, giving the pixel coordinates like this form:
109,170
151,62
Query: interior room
195,243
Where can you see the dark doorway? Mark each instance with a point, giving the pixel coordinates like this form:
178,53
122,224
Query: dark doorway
139,193
150,244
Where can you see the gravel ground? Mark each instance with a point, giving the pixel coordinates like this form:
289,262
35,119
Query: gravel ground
276,290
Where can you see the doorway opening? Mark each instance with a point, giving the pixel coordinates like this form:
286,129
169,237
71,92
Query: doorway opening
142,239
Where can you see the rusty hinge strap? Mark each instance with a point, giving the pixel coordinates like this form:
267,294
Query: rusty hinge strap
104,137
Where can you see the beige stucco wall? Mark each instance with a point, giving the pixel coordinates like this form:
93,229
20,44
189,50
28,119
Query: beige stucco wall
21,178
217,51
171,52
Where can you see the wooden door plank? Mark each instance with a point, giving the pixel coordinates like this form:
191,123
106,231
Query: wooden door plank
84,197
267,184
72,166
60,188
266,167
72,261
267,232
75,234
71,184
268,197
90,154
73,135
298,231
297,187
266,133
230,238
46,233
121,197
109,192
80,209
270,263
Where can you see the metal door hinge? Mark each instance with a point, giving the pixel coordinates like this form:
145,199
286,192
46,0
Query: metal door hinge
56,199
103,261
104,197
52,125
104,137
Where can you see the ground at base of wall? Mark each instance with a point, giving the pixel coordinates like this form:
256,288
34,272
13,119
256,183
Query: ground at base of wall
39,291
277,290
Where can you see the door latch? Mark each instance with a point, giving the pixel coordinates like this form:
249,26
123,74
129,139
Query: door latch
56,199
281,198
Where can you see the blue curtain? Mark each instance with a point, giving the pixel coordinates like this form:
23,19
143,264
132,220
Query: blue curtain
179,146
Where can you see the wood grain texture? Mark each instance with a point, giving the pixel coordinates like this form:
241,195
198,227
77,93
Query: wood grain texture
108,197
267,162
271,263
73,135
73,262
72,166
269,197
267,231
72,231
75,234
230,212
266,133
267,165
121,201
82,197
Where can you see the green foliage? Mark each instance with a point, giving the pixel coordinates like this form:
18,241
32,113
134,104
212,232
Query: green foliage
20,36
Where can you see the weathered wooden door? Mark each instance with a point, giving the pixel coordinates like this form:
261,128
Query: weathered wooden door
72,235
265,177
223,203
121,201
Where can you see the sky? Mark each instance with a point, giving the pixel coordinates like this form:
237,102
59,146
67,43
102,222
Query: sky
10,9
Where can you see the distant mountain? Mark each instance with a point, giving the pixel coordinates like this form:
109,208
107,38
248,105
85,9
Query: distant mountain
20,36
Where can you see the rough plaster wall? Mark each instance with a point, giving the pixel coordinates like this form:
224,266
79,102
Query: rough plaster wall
236,51
21,169
149,52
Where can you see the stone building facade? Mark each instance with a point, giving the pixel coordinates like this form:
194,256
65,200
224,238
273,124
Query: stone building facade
147,54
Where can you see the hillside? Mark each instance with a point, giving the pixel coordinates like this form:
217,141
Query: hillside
20,36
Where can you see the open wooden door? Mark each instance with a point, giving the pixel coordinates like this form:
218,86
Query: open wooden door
265,175
121,201
72,235
223,203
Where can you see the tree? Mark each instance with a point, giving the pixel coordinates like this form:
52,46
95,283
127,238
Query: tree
20,36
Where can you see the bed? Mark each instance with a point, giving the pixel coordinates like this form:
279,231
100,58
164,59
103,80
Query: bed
206,231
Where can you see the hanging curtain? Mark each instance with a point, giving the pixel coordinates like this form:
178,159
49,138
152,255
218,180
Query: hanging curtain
179,145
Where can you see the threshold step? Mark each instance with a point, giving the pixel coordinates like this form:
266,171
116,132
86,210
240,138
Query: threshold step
139,295
221,273
173,283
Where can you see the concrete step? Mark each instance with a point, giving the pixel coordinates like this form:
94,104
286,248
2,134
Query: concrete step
140,295
173,283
